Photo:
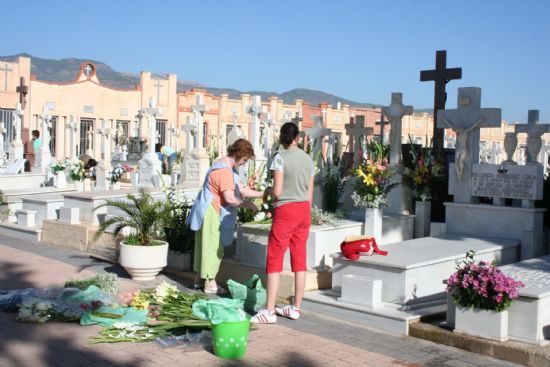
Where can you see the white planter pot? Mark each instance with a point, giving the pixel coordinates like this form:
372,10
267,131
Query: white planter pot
373,223
487,324
79,185
143,262
60,179
179,260
114,186
423,213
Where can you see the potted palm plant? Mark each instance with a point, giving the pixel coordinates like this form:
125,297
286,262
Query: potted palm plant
143,252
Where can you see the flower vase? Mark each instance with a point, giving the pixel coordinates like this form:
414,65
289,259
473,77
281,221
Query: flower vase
373,223
487,324
422,219
60,179
79,185
114,186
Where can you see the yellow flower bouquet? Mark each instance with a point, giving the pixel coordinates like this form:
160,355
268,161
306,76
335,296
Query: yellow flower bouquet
373,184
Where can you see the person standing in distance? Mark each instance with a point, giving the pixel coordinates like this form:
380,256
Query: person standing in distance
293,173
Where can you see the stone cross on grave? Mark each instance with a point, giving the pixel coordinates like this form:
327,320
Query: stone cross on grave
189,129
254,110
266,119
466,121
235,133
356,132
22,89
105,132
534,132
382,122
151,112
198,111
16,146
316,133
17,116
395,112
5,69
174,136
297,119
441,76
72,126
44,157
3,131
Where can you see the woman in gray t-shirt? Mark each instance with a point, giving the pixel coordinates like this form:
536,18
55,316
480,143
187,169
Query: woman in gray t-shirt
293,173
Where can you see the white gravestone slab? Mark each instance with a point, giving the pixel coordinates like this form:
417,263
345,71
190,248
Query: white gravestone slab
529,316
466,121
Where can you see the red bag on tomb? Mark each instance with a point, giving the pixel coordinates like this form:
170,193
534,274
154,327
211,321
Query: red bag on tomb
354,246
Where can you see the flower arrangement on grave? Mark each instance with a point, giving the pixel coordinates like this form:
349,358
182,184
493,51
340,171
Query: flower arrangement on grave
373,184
319,217
425,171
120,138
481,285
77,172
58,166
258,179
179,236
118,171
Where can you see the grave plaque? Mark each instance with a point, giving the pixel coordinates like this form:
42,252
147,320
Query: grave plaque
513,182
146,171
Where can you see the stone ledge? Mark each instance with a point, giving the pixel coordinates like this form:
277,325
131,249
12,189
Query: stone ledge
525,354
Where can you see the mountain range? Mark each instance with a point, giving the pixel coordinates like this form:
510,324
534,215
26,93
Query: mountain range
65,70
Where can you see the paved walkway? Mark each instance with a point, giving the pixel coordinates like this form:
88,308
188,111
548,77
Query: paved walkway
311,341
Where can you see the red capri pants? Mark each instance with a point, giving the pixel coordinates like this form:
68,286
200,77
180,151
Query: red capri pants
290,228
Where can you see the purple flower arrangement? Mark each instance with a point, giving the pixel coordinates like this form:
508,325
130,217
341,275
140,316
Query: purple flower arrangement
482,285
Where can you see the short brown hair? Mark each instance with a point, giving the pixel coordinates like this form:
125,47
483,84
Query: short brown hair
240,148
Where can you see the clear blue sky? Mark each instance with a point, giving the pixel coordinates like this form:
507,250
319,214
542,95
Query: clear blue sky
359,50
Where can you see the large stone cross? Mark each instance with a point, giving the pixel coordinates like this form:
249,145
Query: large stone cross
356,131
395,112
441,76
5,69
466,121
198,110
22,89
316,133
534,132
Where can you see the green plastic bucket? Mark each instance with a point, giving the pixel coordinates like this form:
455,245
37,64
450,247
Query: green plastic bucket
229,339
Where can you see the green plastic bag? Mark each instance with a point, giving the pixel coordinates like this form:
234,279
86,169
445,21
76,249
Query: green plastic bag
251,292
219,310
107,316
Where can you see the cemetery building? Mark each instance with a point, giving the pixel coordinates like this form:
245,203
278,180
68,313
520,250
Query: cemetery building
90,106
